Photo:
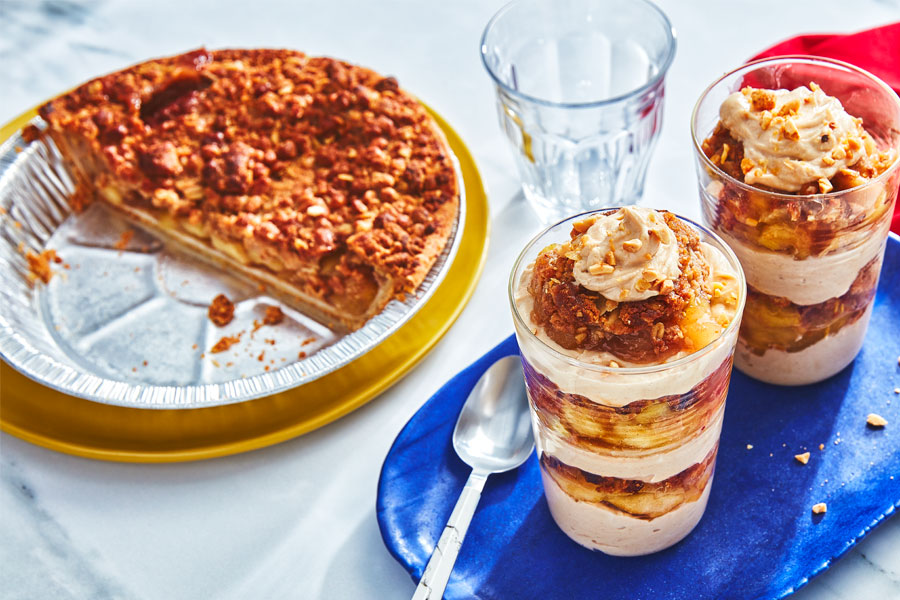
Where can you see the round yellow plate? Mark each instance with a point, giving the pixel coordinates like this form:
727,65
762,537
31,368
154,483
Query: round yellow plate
60,422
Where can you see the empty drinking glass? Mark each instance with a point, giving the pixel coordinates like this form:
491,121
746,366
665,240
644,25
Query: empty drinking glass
580,86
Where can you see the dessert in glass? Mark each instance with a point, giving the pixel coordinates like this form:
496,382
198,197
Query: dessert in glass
798,172
627,321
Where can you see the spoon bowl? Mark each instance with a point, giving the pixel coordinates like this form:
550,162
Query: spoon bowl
492,435
493,431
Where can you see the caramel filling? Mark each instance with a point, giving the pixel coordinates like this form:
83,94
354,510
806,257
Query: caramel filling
642,425
777,323
639,499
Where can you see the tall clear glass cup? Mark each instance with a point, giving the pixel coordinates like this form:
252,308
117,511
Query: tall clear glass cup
580,87
626,454
812,261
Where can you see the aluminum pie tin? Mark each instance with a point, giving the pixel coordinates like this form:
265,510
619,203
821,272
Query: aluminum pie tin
124,322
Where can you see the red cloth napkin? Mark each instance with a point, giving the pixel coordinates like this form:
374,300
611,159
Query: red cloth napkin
875,50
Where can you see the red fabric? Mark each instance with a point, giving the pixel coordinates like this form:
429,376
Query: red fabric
875,50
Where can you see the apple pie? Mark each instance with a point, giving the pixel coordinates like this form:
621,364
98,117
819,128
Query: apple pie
320,179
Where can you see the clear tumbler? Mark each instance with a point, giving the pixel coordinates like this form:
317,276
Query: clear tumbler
580,87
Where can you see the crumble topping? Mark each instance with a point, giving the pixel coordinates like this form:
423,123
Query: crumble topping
39,264
221,310
679,316
225,343
298,158
802,458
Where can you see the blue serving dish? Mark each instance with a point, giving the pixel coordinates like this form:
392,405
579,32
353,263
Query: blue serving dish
758,538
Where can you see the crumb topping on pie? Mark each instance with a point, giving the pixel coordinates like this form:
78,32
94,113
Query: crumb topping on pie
320,171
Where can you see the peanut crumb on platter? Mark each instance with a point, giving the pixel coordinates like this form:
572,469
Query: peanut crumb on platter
802,458
874,420
820,508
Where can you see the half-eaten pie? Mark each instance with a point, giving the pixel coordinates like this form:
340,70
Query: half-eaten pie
322,180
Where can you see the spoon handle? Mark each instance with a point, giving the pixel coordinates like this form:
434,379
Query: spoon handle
440,565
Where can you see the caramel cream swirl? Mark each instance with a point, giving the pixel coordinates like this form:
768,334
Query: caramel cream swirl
793,138
624,255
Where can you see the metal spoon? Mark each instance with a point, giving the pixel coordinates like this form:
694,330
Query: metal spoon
492,435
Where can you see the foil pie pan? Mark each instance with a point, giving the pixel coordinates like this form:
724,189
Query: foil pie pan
123,321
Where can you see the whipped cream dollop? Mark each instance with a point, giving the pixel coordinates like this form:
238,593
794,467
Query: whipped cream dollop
793,138
627,255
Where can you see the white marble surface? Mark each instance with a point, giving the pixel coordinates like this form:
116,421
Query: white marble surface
297,520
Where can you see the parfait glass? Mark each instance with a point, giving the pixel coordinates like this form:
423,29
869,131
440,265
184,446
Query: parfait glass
626,454
812,261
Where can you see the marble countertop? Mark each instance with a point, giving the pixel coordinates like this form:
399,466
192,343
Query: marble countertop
297,520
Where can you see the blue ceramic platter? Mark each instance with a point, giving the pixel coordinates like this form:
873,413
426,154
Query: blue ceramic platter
758,538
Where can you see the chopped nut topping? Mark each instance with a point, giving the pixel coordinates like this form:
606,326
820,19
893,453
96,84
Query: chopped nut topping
666,287
650,275
790,108
273,316
582,226
658,331
601,269
820,508
610,258
790,130
825,185
802,458
876,420
632,245
749,446
762,100
746,165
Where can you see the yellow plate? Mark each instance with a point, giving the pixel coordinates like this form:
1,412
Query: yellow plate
60,422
